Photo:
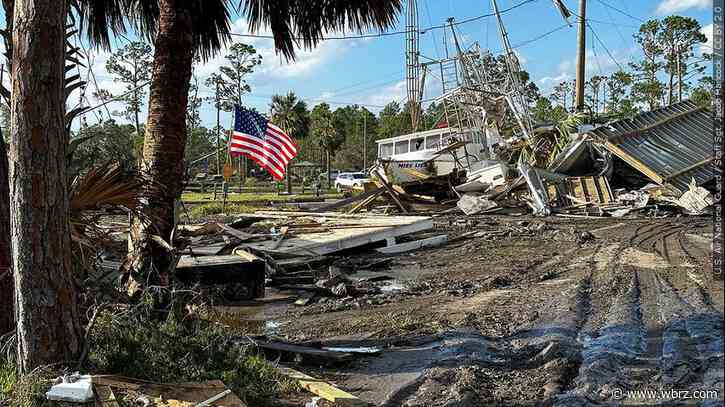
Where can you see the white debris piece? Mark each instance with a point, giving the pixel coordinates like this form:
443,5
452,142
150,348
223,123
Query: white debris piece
74,389
472,204
696,200
637,199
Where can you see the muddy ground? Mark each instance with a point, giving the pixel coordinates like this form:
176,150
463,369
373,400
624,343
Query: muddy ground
554,311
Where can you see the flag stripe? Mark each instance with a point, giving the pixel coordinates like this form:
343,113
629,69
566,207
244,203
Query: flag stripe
262,163
262,156
255,137
282,137
290,155
241,144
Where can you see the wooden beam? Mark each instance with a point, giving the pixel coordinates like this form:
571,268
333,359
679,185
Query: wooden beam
635,163
309,355
345,202
689,168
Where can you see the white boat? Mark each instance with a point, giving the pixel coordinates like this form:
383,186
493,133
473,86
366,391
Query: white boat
431,153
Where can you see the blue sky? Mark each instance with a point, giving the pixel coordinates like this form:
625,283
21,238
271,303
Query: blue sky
370,71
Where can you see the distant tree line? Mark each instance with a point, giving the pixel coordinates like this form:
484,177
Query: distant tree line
668,71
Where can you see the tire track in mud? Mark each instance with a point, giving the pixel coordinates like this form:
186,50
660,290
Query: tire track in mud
619,326
652,337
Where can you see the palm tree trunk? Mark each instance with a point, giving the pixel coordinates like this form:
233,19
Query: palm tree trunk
163,150
48,325
6,276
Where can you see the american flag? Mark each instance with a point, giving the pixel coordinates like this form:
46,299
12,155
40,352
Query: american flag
256,138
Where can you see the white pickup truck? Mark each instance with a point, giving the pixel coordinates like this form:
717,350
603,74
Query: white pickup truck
350,180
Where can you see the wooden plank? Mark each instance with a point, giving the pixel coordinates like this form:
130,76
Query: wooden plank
414,245
348,201
184,392
638,165
342,239
323,389
309,355
393,194
104,396
366,202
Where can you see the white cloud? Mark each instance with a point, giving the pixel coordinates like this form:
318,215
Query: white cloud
709,31
675,6
549,81
273,66
396,92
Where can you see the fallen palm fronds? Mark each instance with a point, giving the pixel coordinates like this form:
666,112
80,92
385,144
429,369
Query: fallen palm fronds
92,194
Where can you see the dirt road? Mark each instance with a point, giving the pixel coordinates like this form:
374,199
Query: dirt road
552,311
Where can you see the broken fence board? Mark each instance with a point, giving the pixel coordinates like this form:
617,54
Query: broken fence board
323,389
414,245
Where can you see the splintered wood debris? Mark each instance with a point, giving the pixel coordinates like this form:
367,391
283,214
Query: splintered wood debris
113,391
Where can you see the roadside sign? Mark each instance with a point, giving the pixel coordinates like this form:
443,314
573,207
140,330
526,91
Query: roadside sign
228,171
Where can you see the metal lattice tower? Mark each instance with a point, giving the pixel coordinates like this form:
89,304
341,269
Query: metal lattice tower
412,56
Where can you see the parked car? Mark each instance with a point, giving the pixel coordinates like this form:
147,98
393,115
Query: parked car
348,180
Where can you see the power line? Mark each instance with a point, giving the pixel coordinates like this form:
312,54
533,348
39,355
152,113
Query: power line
392,33
604,46
620,11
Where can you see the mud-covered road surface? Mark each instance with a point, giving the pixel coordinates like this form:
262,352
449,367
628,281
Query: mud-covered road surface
556,311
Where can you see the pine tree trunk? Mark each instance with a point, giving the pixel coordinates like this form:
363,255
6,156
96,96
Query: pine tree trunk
6,276
163,150
48,325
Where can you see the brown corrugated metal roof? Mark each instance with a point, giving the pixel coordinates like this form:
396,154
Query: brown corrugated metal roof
669,145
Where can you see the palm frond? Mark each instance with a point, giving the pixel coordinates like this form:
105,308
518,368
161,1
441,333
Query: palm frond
108,185
307,21
101,18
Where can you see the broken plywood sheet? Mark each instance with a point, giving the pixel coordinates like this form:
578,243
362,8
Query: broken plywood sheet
357,231
323,389
110,389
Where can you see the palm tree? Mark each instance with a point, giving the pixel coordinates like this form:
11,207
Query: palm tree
181,28
290,114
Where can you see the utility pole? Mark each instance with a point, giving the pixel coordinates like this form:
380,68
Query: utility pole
679,72
365,140
218,125
581,56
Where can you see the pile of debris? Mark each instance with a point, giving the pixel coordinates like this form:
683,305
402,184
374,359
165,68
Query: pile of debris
659,163
300,251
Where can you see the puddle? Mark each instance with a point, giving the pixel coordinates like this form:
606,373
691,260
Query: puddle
393,287
257,319
359,349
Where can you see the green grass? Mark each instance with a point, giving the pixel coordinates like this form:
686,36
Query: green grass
216,208
8,377
259,197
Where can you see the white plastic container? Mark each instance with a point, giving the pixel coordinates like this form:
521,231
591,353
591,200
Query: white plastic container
80,391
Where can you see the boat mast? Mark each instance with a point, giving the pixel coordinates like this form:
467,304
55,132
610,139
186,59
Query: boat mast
412,55
515,98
